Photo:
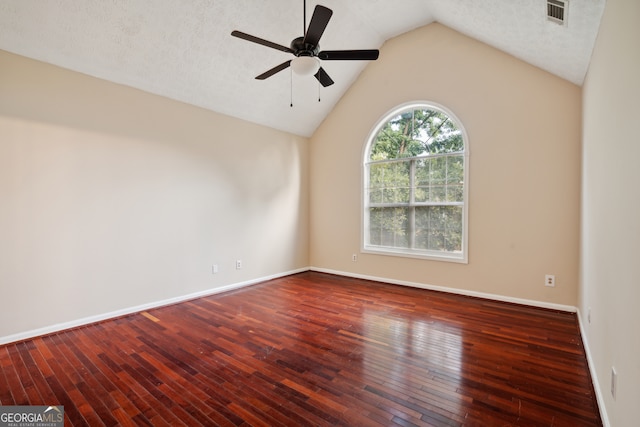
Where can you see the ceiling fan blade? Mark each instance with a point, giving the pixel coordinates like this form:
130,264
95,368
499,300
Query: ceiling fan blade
258,40
349,55
274,70
319,21
323,77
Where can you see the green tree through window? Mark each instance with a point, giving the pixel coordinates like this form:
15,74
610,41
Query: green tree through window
415,185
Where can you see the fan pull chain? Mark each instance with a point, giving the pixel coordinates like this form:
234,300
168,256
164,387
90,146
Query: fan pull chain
291,91
318,90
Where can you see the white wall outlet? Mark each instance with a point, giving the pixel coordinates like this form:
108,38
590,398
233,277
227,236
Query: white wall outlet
238,264
354,257
614,382
550,280
214,269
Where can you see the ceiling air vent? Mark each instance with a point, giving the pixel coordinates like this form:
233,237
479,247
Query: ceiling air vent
557,11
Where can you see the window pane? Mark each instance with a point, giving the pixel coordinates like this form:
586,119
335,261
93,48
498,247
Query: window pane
377,175
388,227
439,228
431,178
438,170
389,182
396,139
441,135
454,193
375,196
421,194
438,193
455,169
422,171
453,235
439,179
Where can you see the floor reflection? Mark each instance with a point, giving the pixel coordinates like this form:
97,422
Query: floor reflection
421,357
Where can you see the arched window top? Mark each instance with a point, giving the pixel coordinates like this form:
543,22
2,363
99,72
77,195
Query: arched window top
416,185
416,130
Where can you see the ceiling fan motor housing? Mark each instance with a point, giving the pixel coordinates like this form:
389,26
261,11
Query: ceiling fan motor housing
300,48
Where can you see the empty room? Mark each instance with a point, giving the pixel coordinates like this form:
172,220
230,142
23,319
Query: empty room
289,213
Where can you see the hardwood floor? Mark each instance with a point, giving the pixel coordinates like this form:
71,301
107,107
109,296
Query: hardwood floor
313,349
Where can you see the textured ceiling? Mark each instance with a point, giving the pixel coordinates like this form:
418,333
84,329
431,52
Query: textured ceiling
182,49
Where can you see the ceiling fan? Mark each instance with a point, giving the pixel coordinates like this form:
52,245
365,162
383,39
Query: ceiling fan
307,50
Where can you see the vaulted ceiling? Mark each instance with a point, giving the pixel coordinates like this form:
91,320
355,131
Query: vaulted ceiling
182,49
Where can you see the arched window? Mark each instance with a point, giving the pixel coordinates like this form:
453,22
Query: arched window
416,185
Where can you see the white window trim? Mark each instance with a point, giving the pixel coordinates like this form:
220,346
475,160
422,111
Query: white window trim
463,256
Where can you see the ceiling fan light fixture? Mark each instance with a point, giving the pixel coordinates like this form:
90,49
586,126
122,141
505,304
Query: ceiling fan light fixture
305,65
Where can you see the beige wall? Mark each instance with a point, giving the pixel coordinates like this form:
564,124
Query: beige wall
524,135
112,198
610,267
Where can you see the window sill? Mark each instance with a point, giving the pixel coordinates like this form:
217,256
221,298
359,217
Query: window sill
459,258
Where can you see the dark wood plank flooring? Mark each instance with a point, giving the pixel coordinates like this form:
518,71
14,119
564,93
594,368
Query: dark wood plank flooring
313,349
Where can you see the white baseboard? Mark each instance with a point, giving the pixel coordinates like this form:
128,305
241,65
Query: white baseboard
495,297
594,374
123,312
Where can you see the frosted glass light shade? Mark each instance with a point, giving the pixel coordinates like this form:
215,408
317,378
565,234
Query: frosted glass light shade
305,65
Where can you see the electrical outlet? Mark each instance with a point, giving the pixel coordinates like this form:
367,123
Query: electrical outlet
238,264
614,382
354,257
214,269
550,280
